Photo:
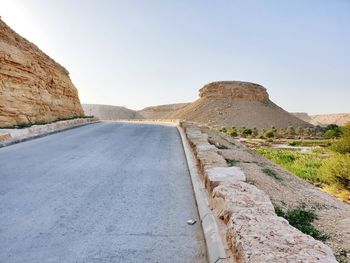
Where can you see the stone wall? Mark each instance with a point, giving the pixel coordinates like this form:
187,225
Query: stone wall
33,87
253,232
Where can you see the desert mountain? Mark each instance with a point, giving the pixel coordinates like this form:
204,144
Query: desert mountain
109,112
235,103
303,116
161,111
324,119
33,87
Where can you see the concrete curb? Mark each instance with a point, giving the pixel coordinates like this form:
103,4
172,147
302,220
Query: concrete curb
215,248
35,136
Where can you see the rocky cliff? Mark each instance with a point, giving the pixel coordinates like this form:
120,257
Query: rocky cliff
234,90
33,87
236,103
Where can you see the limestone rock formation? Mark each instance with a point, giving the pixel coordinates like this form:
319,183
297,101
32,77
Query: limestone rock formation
235,103
234,90
109,112
33,87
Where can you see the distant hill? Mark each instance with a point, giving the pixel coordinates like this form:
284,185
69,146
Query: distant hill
161,111
235,103
324,119
303,116
109,112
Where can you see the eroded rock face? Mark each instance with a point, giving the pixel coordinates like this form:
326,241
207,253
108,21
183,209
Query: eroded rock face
234,90
33,87
238,104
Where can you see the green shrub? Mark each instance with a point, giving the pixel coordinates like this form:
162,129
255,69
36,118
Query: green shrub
294,143
220,146
271,173
307,132
281,133
255,132
343,144
246,131
311,143
290,131
342,256
337,169
269,134
332,131
232,132
223,129
302,218
330,134
231,162
299,131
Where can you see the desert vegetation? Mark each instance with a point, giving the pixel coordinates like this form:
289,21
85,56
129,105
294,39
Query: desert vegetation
319,155
331,131
302,219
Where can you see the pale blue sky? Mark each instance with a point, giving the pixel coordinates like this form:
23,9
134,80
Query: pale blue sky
151,52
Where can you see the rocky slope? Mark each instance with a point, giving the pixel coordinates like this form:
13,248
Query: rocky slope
324,119
235,103
303,116
33,87
161,111
109,112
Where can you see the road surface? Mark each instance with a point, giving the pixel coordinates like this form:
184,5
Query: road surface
107,192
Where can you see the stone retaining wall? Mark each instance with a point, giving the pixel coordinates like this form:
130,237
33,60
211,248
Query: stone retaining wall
254,233
7,135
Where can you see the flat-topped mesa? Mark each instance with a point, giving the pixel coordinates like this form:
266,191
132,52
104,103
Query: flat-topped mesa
234,90
239,104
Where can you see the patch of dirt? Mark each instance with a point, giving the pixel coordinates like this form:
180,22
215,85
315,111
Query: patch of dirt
289,191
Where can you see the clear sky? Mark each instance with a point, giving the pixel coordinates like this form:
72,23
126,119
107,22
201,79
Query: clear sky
140,53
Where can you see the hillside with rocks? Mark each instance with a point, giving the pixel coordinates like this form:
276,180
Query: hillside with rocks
109,112
162,111
235,103
339,119
33,87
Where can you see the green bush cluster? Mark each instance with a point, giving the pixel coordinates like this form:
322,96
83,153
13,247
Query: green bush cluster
330,132
271,173
343,144
337,170
302,219
337,167
322,167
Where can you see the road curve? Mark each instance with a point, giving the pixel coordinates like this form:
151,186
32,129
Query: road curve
107,192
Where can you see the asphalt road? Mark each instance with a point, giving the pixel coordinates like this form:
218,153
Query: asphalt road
107,192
